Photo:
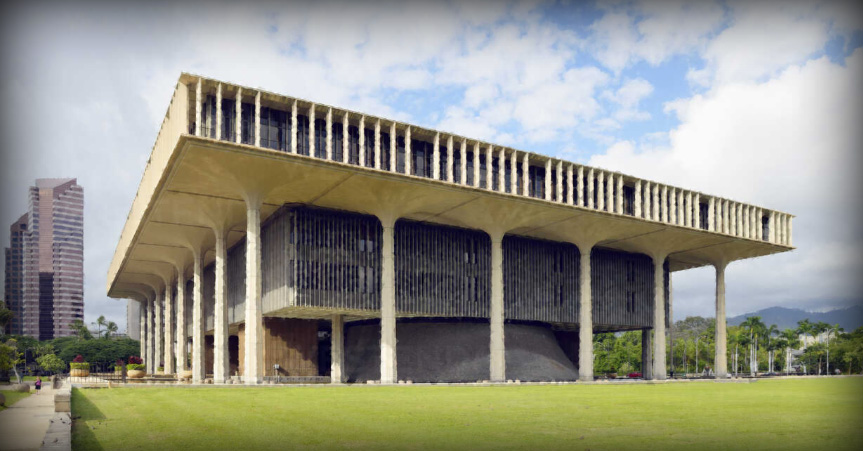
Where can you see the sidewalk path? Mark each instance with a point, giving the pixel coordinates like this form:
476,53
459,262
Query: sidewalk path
23,425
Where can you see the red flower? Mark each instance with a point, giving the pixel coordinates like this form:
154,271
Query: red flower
78,359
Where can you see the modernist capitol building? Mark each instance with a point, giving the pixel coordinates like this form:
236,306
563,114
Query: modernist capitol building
276,237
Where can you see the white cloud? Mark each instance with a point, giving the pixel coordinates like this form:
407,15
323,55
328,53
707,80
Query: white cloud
628,97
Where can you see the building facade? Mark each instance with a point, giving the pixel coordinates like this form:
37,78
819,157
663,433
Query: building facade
45,261
273,237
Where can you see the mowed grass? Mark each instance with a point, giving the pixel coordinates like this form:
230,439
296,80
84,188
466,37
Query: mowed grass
12,397
769,414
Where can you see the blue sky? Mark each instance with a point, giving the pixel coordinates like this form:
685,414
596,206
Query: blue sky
755,101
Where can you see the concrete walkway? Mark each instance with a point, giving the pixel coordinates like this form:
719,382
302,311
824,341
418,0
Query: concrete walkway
23,425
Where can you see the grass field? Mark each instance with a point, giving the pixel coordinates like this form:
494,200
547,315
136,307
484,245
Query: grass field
12,397
771,414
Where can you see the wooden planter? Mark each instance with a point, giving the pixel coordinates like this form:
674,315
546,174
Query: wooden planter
79,372
136,374
186,374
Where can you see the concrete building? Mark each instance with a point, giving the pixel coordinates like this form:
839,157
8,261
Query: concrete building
45,261
274,236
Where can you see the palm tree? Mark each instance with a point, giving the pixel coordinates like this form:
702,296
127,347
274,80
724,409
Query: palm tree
768,334
819,328
110,329
834,329
99,323
791,340
755,328
804,327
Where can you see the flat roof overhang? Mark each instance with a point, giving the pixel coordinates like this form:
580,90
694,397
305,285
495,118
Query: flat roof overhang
204,183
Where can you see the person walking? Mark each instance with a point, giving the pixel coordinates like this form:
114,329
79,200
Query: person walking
38,384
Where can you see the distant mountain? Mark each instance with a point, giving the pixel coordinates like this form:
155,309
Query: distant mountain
784,318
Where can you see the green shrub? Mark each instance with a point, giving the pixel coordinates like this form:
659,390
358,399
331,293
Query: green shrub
135,366
79,365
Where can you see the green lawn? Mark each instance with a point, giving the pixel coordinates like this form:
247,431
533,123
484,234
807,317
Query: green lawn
12,397
780,414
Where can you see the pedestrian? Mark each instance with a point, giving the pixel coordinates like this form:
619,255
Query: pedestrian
38,384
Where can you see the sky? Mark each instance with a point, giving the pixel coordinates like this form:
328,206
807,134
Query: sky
752,101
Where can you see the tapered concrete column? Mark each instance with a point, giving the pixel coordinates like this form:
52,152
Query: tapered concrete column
525,174
389,365
696,211
346,140
590,188
646,354
609,193
672,206
221,365
732,218
180,346
659,318
393,151
497,361
663,206
689,210
258,119
585,316
408,150
378,144
619,195
253,370
501,171
755,221
579,187
449,155
726,217
294,127
159,337
337,350
637,200
312,130
744,221
198,370
600,191
569,184
648,205
463,163
758,218
711,215
169,329
361,138
547,181
738,219
219,111
198,107
720,361
151,350
142,326
513,172
489,178
238,116
329,142
655,203
789,241
681,209
436,157
476,164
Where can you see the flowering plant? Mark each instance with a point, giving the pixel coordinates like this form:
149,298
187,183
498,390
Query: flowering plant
136,360
78,359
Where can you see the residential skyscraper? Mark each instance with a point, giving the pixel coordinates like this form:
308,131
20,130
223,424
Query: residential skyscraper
45,261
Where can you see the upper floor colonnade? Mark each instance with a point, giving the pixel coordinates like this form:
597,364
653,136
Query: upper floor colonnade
228,156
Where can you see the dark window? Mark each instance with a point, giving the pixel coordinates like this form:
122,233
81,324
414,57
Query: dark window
470,174
702,216
369,144
353,145
229,119
208,117
765,228
247,122
507,176
628,200
385,151
421,158
320,138
302,134
400,154
456,166
442,159
274,129
536,181
483,182
338,132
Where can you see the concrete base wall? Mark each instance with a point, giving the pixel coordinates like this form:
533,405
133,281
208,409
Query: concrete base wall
434,351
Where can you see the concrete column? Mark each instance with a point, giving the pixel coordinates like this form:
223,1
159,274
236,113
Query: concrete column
497,361
758,217
688,211
394,154
781,229
408,150
637,200
646,354
726,217
569,184
619,195
221,365
648,194
436,157
744,219
142,326
329,150
378,144
337,350
732,218
198,370
547,181
663,206
198,107
600,191
489,178
590,188
258,119
361,138
346,139
169,329
294,127
525,177
463,162
501,170
238,117
585,316
755,223
672,206
159,336
696,211
789,241
219,111
389,365
449,157
579,187
149,357
659,318
181,322
711,220
609,192
312,130
681,209
655,203
513,172
253,370
720,365
476,164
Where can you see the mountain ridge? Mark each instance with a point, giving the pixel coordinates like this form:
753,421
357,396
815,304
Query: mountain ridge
786,318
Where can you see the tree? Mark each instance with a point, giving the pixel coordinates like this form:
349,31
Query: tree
831,330
81,330
791,340
51,363
110,329
5,317
755,328
11,357
805,328
100,322
769,333
817,329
